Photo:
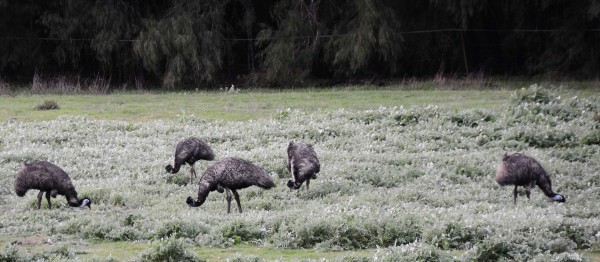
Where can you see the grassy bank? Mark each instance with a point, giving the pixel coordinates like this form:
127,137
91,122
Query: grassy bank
128,251
256,104
247,104
238,106
409,183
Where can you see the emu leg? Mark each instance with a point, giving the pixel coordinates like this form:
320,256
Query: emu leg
192,174
528,189
515,195
40,199
48,198
307,182
237,199
228,197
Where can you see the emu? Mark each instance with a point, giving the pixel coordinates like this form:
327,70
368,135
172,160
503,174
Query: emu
49,178
189,151
521,170
303,163
230,174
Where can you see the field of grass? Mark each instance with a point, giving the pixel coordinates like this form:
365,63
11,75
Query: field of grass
254,104
240,107
406,175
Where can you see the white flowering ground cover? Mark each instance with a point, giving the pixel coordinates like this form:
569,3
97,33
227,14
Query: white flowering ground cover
407,183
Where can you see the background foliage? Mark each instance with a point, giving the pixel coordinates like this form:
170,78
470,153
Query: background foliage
416,183
295,41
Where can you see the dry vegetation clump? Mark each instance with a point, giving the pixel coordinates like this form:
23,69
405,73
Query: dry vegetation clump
5,88
98,85
475,80
55,85
416,183
596,117
47,105
65,85
139,83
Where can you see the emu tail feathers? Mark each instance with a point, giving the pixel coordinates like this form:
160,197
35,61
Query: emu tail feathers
266,183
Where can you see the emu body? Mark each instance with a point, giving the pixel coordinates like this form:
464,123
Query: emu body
521,170
189,151
303,163
49,178
230,175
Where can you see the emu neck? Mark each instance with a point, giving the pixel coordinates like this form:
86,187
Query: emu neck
175,168
73,200
545,185
74,204
202,194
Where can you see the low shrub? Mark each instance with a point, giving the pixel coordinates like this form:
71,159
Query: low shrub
534,94
470,171
544,138
11,253
47,105
245,258
593,138
241,232
472,118
415,251
169,249
179,228
180,179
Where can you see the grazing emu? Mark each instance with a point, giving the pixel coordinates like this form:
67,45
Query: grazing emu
303,163
521,170
48,178
189,151
230,174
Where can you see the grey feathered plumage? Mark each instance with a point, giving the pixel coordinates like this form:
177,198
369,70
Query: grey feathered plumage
231,174
49,178
189,151
303,163
521,170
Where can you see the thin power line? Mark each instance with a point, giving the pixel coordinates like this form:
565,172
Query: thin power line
327,36
60,39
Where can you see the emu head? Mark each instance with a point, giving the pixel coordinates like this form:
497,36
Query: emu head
293,185
190,201
85,202
559,198
171,170
290,184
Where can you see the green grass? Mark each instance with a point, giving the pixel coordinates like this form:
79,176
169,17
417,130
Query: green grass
593,256
127,251
244,105
255,103
221,254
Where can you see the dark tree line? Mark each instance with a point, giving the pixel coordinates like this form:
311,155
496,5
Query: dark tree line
294,41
